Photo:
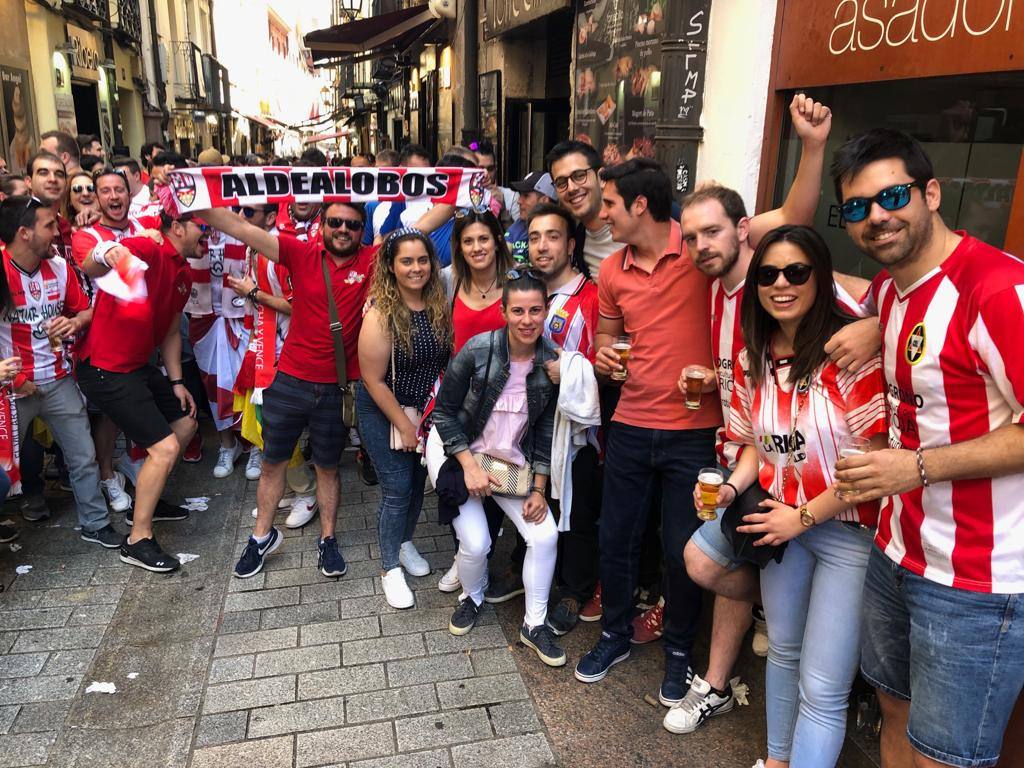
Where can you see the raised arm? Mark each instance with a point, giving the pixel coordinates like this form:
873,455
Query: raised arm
234,225
812,122
434,218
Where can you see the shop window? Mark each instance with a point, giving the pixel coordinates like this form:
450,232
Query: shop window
972,127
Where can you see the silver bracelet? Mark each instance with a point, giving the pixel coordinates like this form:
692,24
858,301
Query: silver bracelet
920,468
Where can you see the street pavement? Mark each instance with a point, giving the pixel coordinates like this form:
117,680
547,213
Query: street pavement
293,670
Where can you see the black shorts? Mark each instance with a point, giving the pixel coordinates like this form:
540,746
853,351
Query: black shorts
290,405
141,403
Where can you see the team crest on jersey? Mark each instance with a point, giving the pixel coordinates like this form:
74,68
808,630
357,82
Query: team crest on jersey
558,321
915,344
354,277
35,290
184,188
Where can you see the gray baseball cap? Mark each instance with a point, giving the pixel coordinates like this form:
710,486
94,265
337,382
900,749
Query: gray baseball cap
536,181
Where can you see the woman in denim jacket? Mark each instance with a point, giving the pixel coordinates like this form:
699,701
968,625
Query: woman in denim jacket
497,399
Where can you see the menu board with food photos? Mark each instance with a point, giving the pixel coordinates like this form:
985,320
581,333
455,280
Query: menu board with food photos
617,85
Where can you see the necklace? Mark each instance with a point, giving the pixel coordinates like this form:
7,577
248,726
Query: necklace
484,292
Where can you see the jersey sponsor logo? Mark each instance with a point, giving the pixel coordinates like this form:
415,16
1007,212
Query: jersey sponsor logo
52,288
35,290
785,444
915,344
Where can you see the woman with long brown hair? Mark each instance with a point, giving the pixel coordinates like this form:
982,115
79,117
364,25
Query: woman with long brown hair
404,344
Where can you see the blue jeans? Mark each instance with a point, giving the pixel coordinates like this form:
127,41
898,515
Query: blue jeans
955,654
60,405
636,460
401,476
812,603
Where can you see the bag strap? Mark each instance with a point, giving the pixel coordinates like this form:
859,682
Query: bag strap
487,375
336,328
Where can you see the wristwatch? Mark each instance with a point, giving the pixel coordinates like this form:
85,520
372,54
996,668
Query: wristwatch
807,518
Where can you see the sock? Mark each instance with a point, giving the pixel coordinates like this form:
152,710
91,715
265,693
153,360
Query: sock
262,539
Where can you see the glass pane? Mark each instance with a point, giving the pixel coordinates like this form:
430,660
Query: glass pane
971,126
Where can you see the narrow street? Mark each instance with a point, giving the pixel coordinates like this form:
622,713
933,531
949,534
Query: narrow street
292,669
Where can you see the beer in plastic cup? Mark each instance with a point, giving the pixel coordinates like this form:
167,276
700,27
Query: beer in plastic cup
851,446
710,480
694,386
56,344
622,346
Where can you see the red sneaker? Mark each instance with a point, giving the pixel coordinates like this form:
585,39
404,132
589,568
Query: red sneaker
647,626
591,611
194,450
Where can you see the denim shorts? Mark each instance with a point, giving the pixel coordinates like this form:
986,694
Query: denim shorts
956,655
289,406
712,542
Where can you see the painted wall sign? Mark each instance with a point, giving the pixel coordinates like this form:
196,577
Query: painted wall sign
504,15
853,41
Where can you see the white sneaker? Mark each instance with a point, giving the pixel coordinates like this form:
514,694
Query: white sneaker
412,560
254,466
698,705
303,510
226,458
450,581
284,503
758,764
396,591
113,489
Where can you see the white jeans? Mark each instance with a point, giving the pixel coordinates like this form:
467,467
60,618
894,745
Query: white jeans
475,542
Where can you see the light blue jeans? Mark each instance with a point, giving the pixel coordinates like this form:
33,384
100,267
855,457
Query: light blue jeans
812,603
60,404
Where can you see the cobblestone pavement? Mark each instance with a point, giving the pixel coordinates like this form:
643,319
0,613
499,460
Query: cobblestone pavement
290,669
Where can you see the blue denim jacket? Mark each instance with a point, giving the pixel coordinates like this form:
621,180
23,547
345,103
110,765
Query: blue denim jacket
455,410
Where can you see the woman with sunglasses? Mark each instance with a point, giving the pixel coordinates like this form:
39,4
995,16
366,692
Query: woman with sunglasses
795,410
404,343
497,402
82,196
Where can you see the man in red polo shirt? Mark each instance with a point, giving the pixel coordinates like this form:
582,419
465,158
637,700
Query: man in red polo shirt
156,412
651,291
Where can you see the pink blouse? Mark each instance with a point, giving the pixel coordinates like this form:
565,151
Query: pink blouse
507,423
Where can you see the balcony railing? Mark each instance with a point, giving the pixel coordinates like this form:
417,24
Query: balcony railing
96,9
128,24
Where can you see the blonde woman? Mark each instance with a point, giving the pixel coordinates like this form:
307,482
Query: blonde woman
405,342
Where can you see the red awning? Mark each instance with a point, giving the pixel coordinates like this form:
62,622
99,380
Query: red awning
326,137
365,38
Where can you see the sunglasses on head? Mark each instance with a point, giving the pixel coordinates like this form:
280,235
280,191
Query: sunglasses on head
336,222
520,272
477,209
80,188
577,176
796,274
891,199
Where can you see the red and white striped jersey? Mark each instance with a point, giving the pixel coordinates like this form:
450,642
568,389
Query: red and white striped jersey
727,341
84,240
38,297
572,317
951,349
802,426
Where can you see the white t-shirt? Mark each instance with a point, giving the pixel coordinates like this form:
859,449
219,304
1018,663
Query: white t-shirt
597,247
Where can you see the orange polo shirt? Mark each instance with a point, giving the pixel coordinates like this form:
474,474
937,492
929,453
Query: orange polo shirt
666,313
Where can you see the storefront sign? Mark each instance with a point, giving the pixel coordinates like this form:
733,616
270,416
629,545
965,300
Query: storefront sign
618,75
504,15
85,54
853,41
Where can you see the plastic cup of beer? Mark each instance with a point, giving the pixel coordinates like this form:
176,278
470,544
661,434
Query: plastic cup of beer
56,344
851,446
710,480
622,346
694,386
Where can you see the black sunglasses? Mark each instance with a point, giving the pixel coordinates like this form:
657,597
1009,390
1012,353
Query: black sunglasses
521,272
336,222
891,199
80,188
796,274
480,210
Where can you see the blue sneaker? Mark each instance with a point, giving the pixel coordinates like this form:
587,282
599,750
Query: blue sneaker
331,562
251,561
678,677
602,657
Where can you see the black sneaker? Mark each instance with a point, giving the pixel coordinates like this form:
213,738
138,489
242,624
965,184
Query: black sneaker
465,617
251,561
107,536
34,509
366,471
608,652
8,533
563,617
504,588
146,553
164,512
330,562
678,677
543,642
